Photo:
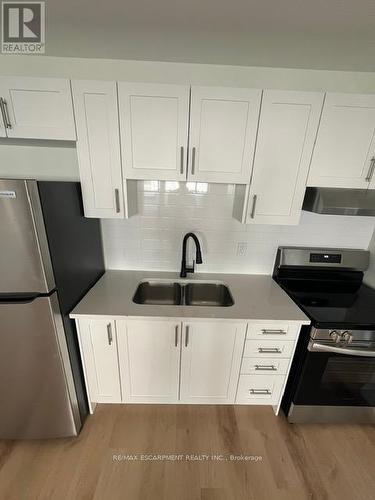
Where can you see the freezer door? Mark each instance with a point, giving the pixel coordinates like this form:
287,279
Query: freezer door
36,386
25,264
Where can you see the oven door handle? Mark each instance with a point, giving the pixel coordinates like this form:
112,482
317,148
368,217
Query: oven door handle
317,347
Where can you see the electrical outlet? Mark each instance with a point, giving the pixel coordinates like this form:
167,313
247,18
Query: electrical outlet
241,248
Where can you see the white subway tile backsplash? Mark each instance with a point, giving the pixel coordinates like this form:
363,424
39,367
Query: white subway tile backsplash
167,210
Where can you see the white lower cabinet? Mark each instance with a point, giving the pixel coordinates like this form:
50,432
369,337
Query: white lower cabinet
149,353
210,361
193,362
100,361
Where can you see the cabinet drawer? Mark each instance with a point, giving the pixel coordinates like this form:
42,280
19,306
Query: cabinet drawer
265,366
268,347
272,331
259,389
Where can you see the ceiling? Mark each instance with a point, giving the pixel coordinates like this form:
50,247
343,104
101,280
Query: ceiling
326,34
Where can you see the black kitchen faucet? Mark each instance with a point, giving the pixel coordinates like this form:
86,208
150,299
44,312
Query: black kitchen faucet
198,255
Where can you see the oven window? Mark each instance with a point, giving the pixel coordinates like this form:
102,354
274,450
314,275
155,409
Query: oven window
331,379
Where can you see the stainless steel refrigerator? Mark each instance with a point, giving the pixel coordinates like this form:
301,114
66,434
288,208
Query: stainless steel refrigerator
50,256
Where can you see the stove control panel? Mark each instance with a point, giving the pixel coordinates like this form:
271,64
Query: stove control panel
325,258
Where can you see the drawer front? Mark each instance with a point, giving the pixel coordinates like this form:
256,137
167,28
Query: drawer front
260,389
267,348
272,331
264,366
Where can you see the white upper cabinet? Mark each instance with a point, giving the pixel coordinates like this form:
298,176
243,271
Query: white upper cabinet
223,128
98,148
345,145
149,353
287,131
154,130
210,361
37,108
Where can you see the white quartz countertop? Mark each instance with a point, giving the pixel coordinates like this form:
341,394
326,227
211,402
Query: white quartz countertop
256,297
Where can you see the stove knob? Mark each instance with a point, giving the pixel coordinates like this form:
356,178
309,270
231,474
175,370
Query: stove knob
347,337
335,336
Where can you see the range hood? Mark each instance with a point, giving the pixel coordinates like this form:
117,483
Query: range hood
340,201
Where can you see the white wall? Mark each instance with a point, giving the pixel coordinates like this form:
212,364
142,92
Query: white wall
152,240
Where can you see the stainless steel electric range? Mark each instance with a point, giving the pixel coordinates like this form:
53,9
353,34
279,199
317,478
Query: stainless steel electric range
332,378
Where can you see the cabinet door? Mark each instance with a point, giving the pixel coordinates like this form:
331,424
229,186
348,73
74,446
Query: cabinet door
345,144
99,351
223,128
149,353
210,361
154,129
98,148
287,130
38,108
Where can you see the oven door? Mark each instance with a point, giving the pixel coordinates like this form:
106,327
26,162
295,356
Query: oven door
337,376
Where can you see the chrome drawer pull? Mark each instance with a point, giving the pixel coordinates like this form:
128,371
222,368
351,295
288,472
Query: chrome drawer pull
266,367
273,332
263,350
260,391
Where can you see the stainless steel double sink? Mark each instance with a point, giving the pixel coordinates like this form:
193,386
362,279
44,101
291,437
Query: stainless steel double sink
197,293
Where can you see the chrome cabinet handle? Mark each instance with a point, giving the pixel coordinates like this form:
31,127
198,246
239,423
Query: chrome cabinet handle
109,334
4,112
273,332
182,160
265,368
269,349
117,200
260,391
252,214
193,161
370,172
176,336
186,336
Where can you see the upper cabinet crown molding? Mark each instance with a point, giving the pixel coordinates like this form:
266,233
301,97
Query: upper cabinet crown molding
223,129
287,131
36,108
345,145
98,148
154,130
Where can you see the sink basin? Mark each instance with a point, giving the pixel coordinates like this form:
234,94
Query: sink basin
208,294
182,293
158,293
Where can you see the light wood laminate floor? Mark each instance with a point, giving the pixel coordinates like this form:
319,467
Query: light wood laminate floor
298,461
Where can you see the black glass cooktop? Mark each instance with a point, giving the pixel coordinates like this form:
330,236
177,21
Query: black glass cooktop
339,300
